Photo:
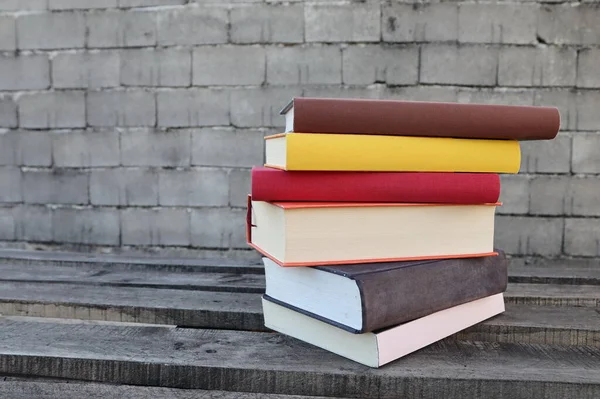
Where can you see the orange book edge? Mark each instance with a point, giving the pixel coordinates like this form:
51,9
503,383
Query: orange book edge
274,136
374,260
267,165
249,226
303,205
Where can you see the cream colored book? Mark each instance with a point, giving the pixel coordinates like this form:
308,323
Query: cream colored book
310,234
377,349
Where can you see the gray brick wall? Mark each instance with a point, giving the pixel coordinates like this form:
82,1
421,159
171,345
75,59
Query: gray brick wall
134,123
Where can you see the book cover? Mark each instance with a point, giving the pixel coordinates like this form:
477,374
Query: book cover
270,184
414,118
371,153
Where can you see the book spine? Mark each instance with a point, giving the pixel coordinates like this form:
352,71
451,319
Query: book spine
405,118
339,152
400,295
449,188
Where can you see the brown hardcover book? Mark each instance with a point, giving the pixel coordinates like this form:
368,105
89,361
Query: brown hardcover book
369,297
414,118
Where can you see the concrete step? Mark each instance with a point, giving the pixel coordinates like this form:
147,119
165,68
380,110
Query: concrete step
242,361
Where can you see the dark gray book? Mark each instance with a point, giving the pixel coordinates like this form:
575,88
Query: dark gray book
369,297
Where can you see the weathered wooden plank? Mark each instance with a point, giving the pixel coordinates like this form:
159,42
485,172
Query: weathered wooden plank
520,323
128,262
103,275
20,388
272,363
553,295
131,304
92,274
524,270
539,325
546,271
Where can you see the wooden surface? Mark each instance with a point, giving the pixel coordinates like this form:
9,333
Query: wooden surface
271,363
546,344
19,388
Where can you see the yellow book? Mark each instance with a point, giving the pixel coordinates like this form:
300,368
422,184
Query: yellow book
353,152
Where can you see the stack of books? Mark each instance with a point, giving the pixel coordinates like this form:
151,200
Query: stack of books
376,220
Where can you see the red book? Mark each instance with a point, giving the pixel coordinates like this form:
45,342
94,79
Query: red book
449,188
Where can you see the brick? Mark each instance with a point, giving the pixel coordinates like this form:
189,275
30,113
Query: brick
259,107
52,110
342,22
86,226
339,91
22,72
500,96
57,186
569,24
547,156
33,148
191,26
240,181
240,1
121,108
51,31
374,64
25,148
531,66
198,187
23,5
187,108
304,65
155,148
588,117
164,67
585,153
121,29
267,23
582,237
549,195
565,101
8,112
11,184
34,223
420,22
212,147
229,66
150,3
77,149
582,196
587,68
218,228
520,235
514,194
8,33
155,227
497,23
80,4
124,187
420,93
7,224
8,148
90,70
449,64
